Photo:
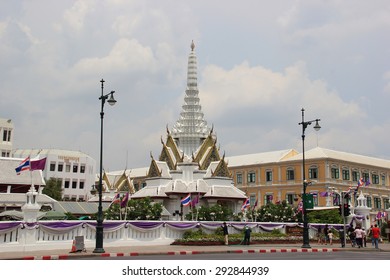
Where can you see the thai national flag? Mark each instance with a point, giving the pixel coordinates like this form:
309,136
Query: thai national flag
116,199
360,182
24,165
245,205
187,200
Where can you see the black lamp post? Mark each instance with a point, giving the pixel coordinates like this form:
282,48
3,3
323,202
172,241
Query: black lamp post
305,183
99,226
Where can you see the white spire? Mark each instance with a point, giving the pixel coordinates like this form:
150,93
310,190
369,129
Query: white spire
191,129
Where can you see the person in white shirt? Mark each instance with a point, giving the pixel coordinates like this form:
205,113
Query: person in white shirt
359,233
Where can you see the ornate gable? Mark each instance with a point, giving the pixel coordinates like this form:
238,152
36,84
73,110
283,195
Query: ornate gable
222,169
165,156
211,155
124,184
154,170
172,144
207,152
106,182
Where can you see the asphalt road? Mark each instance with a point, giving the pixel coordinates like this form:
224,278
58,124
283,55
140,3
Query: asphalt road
341,255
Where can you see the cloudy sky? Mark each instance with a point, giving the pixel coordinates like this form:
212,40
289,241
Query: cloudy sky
259,63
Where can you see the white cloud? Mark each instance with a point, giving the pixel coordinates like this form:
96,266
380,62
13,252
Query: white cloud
126,55
257,87
75,16
257,68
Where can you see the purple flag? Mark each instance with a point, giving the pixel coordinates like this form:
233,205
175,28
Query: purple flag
38,164
323,194
124,200
195,201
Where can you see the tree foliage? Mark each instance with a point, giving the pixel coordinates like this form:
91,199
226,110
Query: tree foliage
279,212
53,188
329,216
136,209
216,212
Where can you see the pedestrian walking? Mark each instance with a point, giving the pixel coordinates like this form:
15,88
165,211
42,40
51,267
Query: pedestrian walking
330,237
359,236
247,235
341,235
376,235
225,233
326,231
364,237
351,235
369,234
320,235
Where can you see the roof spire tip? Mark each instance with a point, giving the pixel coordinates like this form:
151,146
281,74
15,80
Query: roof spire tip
192,45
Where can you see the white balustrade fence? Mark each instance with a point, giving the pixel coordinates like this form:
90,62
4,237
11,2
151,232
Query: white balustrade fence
48,235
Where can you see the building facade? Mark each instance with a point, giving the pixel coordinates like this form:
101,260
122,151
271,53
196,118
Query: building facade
7,135
272,177
76,170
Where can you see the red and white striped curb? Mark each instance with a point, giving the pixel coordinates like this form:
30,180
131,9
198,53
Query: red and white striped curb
131,254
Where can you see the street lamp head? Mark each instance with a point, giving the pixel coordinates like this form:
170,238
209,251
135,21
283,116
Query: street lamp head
112,100
317,126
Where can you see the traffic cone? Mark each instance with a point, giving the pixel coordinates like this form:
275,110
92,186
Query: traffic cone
73,250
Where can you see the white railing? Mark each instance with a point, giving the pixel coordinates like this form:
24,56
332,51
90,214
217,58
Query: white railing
49,235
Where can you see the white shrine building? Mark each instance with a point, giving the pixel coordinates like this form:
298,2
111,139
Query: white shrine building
190,162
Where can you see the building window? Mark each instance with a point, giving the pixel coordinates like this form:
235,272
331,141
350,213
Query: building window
315,198
268,199
366,177
81,185
75,168
251,177
74,184
313,173
335,173
355,176
377,203
290,198
66,184
290,174
346,175
6,135
60,167
375,179
369,201
268,176
386,203
52,166
239,178
82,168
67,168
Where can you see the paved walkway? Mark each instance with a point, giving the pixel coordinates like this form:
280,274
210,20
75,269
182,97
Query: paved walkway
181,250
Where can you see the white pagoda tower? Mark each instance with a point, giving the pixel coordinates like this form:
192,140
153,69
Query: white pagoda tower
191,129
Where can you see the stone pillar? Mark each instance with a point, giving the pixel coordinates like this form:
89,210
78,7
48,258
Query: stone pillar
31,208
362,210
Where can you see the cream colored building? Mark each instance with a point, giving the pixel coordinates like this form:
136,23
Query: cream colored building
277,176
7,135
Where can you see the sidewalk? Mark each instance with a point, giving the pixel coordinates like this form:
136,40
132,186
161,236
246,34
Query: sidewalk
182,250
